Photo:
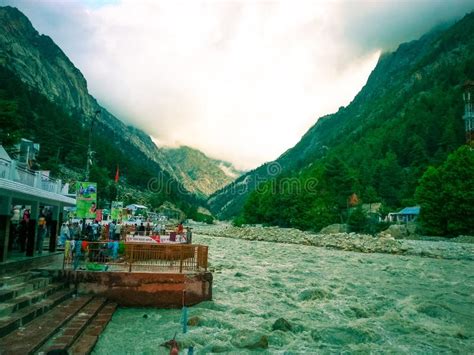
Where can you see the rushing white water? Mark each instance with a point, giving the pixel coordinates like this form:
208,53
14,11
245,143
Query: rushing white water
334,301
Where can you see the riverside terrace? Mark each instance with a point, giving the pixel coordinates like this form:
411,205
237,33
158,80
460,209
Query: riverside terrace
66,305
139,274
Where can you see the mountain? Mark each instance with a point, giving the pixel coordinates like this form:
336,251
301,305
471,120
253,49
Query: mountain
408,116
43,66
197,172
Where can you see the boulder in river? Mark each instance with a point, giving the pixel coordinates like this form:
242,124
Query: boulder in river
194,321
333,229
397,231
250,340
282,324
342,335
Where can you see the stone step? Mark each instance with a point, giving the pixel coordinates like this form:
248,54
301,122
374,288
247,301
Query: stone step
28,299
12,291
30,338
87,340
25,315
16,278
67,335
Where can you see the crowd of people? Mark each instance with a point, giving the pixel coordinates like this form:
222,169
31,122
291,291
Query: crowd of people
78,238
22,229
116,231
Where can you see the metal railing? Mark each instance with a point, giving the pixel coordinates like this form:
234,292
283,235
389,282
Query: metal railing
135,257
11,170
4,168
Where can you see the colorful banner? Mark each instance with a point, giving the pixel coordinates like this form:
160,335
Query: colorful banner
86,199
116,210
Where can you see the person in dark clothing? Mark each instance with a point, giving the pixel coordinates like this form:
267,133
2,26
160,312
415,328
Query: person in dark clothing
89,231
42,233
48,215
189,236
23,233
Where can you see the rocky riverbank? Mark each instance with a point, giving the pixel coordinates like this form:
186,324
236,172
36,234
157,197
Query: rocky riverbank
383,243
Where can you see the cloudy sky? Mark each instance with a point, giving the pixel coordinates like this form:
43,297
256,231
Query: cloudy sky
241,80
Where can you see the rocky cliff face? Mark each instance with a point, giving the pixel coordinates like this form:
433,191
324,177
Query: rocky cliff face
40,63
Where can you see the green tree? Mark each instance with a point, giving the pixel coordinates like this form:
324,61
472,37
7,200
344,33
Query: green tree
430,199
358,220
446,195
340,182
389,179
458,191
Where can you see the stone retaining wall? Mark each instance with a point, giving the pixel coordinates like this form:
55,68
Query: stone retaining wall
131,289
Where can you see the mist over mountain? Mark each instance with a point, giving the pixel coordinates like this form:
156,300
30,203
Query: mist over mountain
188,71
43,66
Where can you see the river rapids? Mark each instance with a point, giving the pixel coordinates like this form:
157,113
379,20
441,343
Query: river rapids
330,301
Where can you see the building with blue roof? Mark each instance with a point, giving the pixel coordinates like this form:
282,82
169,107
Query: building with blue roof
408,214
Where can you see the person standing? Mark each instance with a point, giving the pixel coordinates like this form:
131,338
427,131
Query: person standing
141,229
180,228
25,223
105,232
64,234
15,215
48,215
95,231
74,231
112,230
26,215
42,233
14,228
118,229
189,236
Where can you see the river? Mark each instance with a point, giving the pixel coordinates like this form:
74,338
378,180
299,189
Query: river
332,300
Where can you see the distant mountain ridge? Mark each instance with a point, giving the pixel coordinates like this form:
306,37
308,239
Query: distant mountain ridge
197,172
40,63
386,116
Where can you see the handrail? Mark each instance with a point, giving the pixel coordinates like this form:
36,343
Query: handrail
4,168
11,170
138,257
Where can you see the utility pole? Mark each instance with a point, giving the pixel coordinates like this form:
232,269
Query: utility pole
89,150
468,117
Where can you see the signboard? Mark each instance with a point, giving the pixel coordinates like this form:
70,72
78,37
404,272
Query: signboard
152,239
116,210
86,199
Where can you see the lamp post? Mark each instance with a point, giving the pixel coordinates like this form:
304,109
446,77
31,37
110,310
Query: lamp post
89,150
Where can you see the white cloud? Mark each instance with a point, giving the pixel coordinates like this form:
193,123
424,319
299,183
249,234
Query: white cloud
240,80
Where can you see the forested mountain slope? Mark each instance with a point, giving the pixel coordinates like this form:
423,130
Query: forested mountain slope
406,117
